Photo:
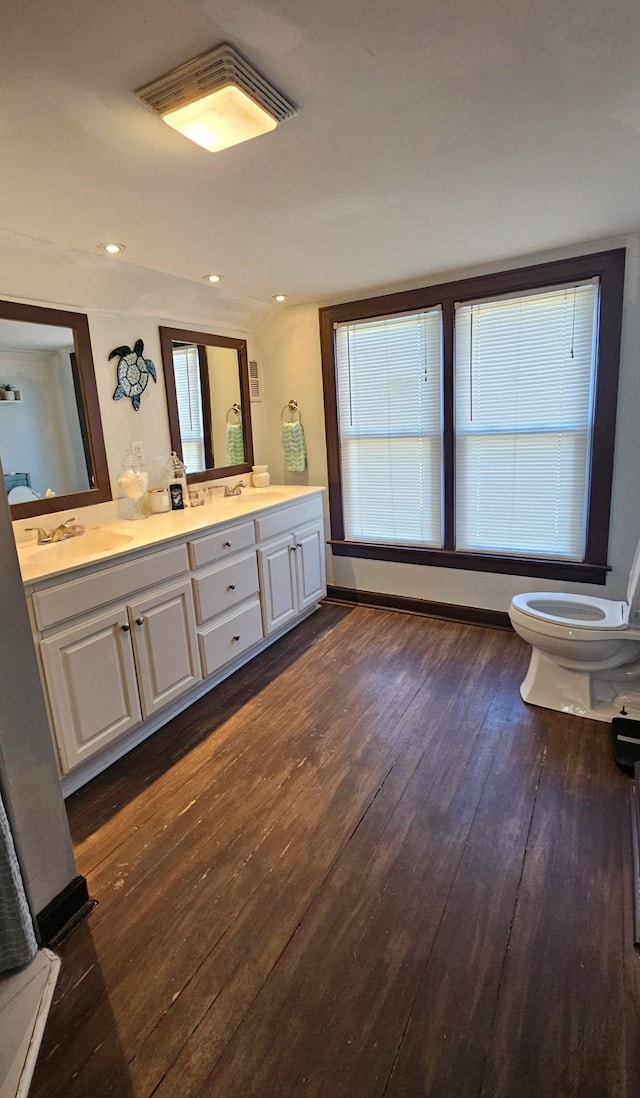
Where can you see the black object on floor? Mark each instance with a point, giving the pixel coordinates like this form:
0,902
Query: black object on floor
626,742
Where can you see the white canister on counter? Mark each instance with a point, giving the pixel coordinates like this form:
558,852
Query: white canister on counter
159,500
260,476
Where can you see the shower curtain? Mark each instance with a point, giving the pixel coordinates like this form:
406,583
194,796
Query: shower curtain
17,939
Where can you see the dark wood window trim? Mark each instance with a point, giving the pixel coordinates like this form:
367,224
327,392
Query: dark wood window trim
609,268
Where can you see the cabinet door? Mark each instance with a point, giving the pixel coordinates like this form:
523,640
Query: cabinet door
278,583
310,577
91,681
164,638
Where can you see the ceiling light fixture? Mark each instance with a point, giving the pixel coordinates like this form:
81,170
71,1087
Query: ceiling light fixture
217,100
213,278
112,248
280,297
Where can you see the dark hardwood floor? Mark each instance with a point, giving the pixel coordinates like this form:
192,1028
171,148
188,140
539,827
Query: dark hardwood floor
360,867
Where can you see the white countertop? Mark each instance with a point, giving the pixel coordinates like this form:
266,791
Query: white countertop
43,561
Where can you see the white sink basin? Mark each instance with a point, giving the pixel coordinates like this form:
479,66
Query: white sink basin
99,539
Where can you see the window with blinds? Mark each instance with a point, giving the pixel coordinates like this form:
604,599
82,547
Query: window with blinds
389,392
524,386
472,424
186,368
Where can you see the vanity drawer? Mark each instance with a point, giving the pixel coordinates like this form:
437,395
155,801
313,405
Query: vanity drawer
78,596
286,519
225,586
221,544
229,638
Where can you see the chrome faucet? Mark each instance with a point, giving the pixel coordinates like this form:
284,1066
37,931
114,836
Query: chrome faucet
66,529
236,490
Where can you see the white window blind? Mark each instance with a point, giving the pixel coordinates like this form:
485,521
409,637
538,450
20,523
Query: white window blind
186,370
524,379
390,424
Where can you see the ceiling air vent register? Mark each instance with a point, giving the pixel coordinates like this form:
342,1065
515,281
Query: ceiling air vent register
196,84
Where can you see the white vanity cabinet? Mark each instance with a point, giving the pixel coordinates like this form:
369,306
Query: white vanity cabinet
109,669
292,569
125,646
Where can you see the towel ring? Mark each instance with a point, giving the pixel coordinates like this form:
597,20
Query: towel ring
294,413
235,409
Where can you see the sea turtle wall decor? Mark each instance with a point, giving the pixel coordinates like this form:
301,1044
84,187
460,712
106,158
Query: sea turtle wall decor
133,372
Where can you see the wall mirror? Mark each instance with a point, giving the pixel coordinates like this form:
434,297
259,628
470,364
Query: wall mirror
50,429
207,382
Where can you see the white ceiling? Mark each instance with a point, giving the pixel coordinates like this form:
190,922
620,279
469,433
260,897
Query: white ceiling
430,136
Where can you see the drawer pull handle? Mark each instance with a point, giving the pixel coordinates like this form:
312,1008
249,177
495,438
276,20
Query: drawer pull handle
126,627
227,544
237,637
140,620
232,586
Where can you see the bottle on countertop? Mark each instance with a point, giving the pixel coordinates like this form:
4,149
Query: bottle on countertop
175,472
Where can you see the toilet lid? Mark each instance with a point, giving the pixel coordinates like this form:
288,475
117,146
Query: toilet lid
575,611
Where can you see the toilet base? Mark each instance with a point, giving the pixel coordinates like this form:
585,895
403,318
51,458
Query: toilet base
578,692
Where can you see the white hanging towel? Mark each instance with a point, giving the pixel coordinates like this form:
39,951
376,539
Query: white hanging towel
295,450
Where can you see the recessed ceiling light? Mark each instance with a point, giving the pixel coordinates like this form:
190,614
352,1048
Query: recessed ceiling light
112,248
217,99
280,297
213,278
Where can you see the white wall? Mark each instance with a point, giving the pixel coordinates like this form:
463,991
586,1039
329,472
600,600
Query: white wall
292,369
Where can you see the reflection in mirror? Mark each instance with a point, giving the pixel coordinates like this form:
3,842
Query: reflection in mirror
207,383
51,442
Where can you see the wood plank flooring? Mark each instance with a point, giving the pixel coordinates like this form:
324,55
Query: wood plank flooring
360,868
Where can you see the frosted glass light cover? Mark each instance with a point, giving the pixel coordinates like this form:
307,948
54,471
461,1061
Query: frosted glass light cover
224,118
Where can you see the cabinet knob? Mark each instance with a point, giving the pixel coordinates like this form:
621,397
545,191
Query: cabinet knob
227,544
232,587
237,637
292,548
126,627
140,620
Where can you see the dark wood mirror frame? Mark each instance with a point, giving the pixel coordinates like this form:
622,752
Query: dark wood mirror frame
88,392
169,336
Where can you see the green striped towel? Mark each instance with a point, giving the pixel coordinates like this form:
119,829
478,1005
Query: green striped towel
295,451
234,445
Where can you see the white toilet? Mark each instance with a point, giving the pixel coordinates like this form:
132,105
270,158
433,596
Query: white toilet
586,650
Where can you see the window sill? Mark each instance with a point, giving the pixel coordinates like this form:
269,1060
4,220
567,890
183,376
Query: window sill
572,571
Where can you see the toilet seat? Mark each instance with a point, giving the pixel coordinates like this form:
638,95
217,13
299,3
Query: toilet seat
572,612
22,494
